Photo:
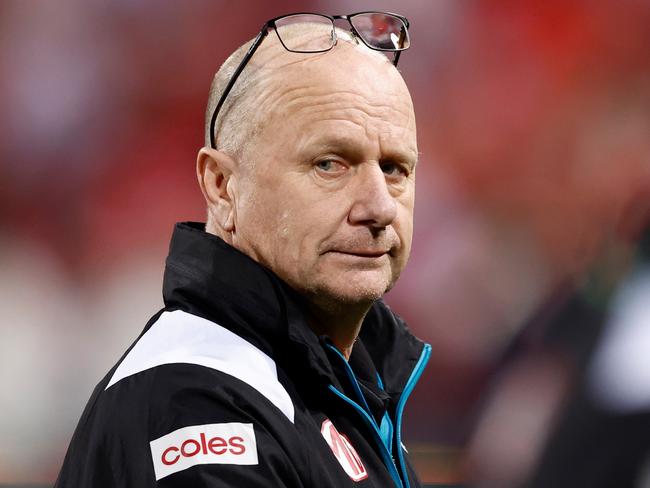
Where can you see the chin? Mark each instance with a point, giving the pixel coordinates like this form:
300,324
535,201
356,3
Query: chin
355,292
338,288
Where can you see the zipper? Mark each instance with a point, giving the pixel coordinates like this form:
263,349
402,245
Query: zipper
410,384
389,460
387,456
386,426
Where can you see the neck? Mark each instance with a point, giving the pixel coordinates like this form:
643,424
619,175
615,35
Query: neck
341,323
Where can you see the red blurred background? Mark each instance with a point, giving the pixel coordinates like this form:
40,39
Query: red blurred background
533,123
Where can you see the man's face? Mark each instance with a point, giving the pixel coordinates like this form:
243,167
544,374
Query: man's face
327,199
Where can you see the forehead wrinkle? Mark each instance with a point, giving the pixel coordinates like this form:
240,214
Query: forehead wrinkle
354,106
304,87
349,143
373,126
313,75
376,117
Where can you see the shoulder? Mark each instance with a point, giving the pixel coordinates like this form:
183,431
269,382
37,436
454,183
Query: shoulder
188,393
182,354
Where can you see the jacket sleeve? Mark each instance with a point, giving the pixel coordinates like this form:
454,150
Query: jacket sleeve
183,425
209,429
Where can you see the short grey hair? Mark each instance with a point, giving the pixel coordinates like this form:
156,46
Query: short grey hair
230,137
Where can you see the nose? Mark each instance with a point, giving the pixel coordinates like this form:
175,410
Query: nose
373,205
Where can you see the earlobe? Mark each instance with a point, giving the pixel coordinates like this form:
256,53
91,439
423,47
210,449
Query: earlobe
214,171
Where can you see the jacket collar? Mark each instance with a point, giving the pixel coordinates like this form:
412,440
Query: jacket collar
207,277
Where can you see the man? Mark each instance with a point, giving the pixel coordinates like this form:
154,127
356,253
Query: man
274,361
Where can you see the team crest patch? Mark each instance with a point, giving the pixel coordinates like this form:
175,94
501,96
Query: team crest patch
228,443
344,452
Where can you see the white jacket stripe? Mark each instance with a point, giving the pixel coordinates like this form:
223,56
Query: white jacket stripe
179,337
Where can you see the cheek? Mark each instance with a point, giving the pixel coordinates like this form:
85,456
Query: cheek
278,227
404,223
285,227
253,210
303,226
256,220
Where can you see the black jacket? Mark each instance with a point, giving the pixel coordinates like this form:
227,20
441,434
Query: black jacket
228,387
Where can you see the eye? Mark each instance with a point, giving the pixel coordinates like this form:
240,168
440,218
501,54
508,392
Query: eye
393,169
325,164
329,165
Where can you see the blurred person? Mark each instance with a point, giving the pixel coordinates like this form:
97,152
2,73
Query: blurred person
569,405
275,361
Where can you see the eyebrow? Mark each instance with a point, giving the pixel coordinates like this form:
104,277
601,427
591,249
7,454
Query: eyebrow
348,147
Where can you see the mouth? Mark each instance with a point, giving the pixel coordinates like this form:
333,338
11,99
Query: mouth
361,253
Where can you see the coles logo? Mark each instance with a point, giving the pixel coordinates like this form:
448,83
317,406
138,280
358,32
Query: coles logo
343,451
230,443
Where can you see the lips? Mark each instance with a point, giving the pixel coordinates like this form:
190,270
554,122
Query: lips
363,247
362,253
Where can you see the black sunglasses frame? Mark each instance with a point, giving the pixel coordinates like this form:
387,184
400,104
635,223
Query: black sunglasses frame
264,31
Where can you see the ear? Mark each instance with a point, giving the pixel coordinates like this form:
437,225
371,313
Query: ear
214,170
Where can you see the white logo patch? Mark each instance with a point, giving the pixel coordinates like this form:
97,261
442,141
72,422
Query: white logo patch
231,443
345,454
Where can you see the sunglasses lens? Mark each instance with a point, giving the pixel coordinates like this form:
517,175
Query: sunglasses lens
305,33
382,31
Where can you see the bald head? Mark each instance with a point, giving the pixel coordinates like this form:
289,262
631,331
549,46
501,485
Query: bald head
241,118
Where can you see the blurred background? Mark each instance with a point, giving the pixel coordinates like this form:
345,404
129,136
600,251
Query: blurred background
533,185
